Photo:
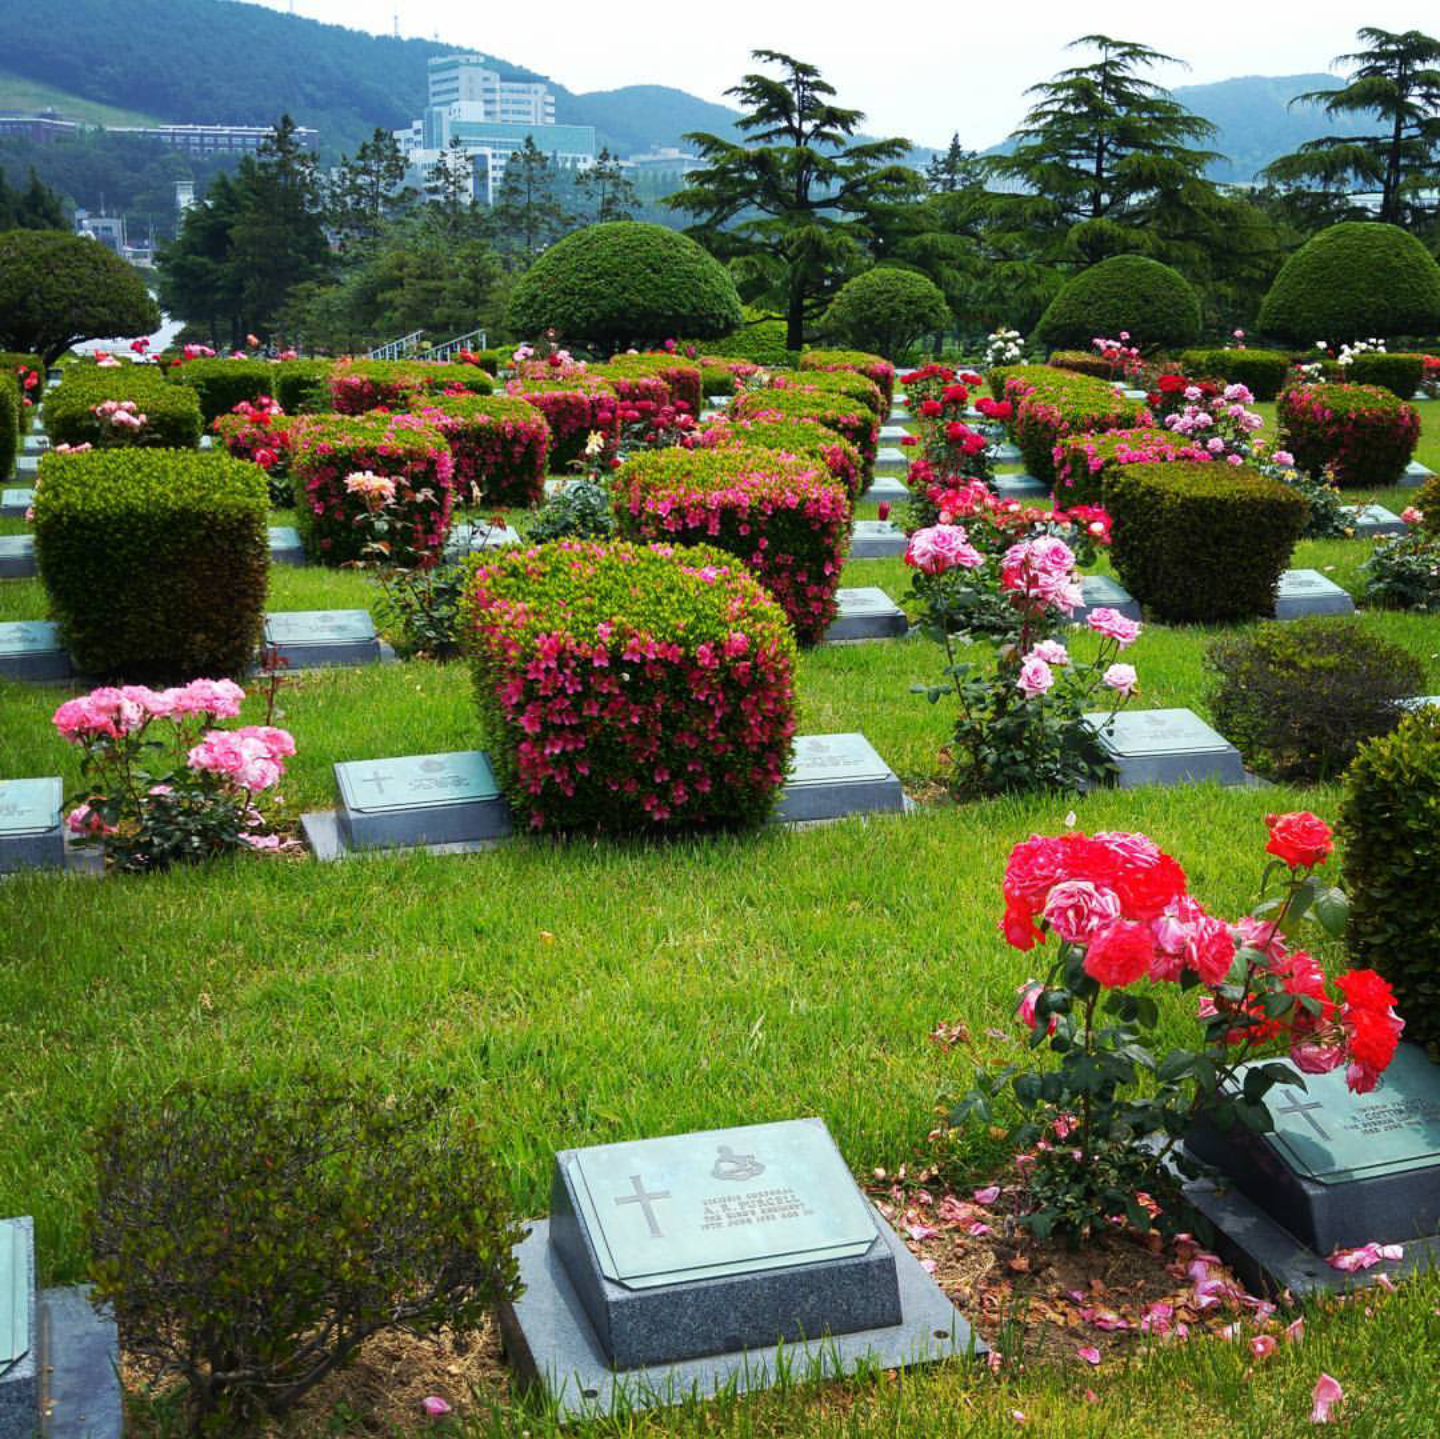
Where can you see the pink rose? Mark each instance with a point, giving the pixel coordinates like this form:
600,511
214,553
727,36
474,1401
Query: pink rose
1036,678
1076,909
1052,652
1122,679
1114,626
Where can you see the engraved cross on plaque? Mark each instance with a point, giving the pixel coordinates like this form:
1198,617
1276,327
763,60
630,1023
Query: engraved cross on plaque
643,1199
1302,1110
378,779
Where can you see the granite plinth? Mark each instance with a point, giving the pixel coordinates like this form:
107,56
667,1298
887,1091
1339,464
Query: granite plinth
1100,592
308,638
1371,521
80,1384
31,833
17,557
886,487
34,443
1308,592
19,1331
420,800
866,614
285,546
1005,453
1020,487
1415,474
207,442
1342,1169
31,650
464,539
834,775
1165,747
893,434
876,540
14,503
891,457
1133,394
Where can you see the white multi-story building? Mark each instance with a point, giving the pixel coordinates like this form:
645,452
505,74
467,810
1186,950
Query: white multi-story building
468,80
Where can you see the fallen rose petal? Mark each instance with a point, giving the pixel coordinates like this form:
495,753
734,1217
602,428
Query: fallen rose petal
1386,1282
1018,1415
1090,1354
435,1406
1262,1346
1230,1331
1327,1391
987,1195
929,1265
1295,1332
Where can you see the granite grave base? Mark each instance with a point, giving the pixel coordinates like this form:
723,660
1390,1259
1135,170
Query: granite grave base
1308,592
893,434
17,557
285,546
876,540
1005,453
307,639
865,614
1100,592
890,458
887,487
19,1331
32,834
27,466
14,504
1165,747
1415,474
834,775
31,650
79,1384
1372,521
464,539
1021,487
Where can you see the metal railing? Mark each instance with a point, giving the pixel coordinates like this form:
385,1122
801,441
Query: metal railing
399,349
474,340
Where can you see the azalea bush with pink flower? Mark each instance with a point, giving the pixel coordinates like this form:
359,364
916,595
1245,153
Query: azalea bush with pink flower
574,409
1049,407
258,431
786,518
873,367
358,386
500,446
850,419
1362,435
1101,1121
164,781
1020,724
801,438
631,689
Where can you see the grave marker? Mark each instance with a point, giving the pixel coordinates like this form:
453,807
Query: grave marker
893,434
1100,592
876,539
31,833
305,638
833,775
419,800
17,557
1308,592
1415,474
886,487
285,546
19,1367
888,457
1165,747
1005,453
463,539
1021,487
14,503
27,465
866,614
31,650
1371,521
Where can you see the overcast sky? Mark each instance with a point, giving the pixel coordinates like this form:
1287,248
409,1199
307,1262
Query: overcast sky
919,70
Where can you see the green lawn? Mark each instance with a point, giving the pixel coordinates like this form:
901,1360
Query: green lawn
579,993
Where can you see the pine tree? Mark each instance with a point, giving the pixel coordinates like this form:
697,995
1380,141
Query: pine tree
1396,80
370,188
528,214
798,201
605,191
954,169
198,281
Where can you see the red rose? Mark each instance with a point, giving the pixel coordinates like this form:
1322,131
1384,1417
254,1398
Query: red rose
930,408
1365,989
1120,954
1146,889
1019,928
1300,839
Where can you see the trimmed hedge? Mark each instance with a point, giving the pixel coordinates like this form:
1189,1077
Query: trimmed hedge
324,449
625,282
808,439
681,376
849,420
784,517
718,374
885,309
572,408
1390,826
1157,305
1084,362
10,404
999,378
155,562
849,383
1262,372
760,342
223,384
1202,542
172,412
873,367
1364,434
1399,373
1085,463
500,446
360,385
633,387
302,387
1356,279
625,688
1050,404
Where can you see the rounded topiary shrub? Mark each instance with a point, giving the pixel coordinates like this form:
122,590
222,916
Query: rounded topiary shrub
574,408
1202,542
1363,434
807,438
1400,374
357,386
1262,372
1298,698
500,446
886,310
849,383
1054,404
1390,825
1354,280
873,367
785,517
1158,306
612,285
681,376
627,688
325,450
760,340
155,562
848,418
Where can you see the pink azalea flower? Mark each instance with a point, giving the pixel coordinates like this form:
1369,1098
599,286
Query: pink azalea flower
1262,1346
1327,1392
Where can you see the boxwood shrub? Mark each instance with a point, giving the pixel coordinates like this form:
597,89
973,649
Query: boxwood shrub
886,309
324,449
873,367
302,387
500,446
1364,434
1399,373
851,384
760,341
1053,404
681,375
786,518
1262,372
1298,698
1156,304
222,384
718,373
630,688
1025,376
573,408
1390,826
10,404
634,386
1084,362
155,561
1202,542
172,412
850,420
360,385
807,438
1085,462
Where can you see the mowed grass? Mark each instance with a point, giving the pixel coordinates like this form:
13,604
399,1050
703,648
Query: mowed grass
573,993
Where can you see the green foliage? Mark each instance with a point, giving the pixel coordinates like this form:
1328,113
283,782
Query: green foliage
885,309
155,561
252,1270
530,208
1362,435
1154,303
1088,459
1084,362
172,413
807,438
1354,280
301,387
1196,541
613,285
1403,572
223,384
1262,372
847,383
57,289
1051,404
36,207
580,511
762,342
848,418
1298,698
874,368
9,421
1398,373
1390,823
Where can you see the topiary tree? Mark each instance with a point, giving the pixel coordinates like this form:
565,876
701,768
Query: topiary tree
1157,305
885,310
625,283
57,289
1354,280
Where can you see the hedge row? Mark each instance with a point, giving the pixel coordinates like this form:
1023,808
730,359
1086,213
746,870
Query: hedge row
808,439
10,429
846,383
681,376
873,367
172,412
1262,372
718,373
500,446
574,409
1085,463
1363,434
1050,404
357,386
29,373
848,419
155,562
1399,373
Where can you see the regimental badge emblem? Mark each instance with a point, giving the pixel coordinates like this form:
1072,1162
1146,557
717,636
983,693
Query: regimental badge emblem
729,1165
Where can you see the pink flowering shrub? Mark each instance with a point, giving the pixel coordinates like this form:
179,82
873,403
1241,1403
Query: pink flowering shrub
719,374
574,409
678,373
357,386
500,446
1363,434
844,384
629,688
1084,461
164,782
1048,409
849,419
1124,921
332,519
259,432
785,518
804,438
873,367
